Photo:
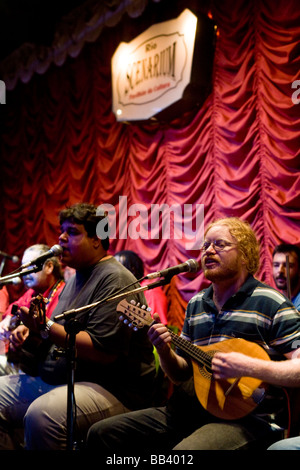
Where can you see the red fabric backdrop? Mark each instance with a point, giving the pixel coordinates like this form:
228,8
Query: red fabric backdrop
238,154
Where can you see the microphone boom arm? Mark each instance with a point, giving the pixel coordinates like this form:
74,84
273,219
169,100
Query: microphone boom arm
74,311
6,279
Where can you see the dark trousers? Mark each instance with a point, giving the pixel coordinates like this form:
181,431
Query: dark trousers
159,429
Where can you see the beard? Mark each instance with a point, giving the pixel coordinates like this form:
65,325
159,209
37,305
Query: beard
281,283
222,272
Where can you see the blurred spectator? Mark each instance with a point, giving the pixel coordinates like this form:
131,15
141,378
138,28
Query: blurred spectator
156,298
4,301
280,271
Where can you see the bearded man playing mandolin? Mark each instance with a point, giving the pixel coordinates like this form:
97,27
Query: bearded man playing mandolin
236,321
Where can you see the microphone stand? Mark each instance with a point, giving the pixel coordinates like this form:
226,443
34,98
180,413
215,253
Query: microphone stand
7,279
2,264
288,281
72,327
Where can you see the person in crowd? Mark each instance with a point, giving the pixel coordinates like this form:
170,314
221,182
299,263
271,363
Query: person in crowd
114,368
203,414
156,298
49,282
4,301
237,364
280,271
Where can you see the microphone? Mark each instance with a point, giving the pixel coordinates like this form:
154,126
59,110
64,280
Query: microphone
13,258
55,250
191,265
15,281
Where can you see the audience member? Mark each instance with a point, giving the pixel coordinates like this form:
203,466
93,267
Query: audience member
205,414
280,271
156,298
114,368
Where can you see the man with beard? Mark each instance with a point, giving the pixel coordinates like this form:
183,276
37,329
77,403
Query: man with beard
280,254
200,414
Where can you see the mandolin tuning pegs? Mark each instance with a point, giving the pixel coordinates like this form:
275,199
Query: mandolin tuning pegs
133,302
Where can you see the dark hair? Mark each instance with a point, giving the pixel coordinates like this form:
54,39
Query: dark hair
132,262
287,248
85,214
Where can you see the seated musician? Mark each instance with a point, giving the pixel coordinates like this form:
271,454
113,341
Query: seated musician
202,413
115,368
49,281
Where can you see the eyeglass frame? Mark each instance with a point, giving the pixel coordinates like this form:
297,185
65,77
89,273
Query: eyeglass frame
215,247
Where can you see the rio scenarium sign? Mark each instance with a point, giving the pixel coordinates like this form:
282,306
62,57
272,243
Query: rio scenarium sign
152,71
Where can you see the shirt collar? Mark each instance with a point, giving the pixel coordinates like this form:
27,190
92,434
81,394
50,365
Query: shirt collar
246,290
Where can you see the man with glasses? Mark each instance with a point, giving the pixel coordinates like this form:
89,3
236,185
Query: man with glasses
236,308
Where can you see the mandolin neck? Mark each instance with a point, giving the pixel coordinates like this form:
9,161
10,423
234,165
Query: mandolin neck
194,352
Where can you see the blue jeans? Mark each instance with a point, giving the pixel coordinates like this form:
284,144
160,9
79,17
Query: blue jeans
292,443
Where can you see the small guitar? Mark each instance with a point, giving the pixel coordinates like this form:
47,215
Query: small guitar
28,356
227,399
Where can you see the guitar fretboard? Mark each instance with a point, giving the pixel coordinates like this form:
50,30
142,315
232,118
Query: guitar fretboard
194,352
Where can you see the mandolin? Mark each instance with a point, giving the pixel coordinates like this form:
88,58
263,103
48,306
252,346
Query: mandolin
227,399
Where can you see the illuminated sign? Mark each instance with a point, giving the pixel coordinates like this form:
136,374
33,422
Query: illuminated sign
151,72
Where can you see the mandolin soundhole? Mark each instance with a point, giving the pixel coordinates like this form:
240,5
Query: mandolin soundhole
205,369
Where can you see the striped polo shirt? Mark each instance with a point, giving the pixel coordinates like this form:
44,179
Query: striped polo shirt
256,313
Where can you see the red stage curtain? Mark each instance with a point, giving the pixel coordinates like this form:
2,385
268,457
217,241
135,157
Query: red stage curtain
238,154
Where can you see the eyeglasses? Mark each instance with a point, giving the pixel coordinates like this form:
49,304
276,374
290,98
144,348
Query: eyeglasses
218,245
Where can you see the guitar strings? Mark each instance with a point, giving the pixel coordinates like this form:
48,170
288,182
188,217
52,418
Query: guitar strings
194,351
